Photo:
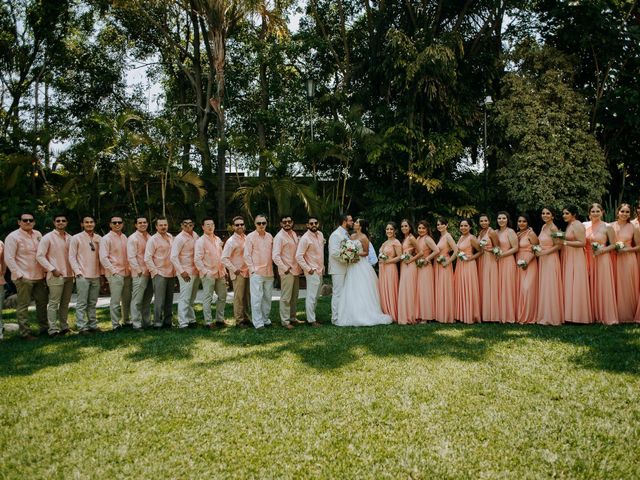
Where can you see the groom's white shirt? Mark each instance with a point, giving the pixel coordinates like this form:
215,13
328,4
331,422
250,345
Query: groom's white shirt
336,267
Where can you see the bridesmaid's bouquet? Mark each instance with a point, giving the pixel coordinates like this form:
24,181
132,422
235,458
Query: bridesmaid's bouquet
536,249
441,260
496,251
420,262
405,257
483,243
349,251
558,234
595,246
383,257
522,263
462,256
620,246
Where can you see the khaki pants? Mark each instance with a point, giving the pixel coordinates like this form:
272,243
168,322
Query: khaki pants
261,289
141,294
314,282
240,299
1,307
162,300
27,289
88,290
187,298
120,301
60,290
289,287
209,285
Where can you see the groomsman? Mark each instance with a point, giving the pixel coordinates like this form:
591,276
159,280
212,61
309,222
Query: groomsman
233,259
257,254
53,255
337,268
113,256
157,258
285,244
142,288
3,282
208,259
21,247
84,257
310,256
182,253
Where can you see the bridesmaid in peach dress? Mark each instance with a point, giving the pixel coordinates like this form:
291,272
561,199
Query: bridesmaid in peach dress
627,272
507,270
425,300
390,252
488,272
408,276
577,299
550,288
466,286
601,240
445,300
527,306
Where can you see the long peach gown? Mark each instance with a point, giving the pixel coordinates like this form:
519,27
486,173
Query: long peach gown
388,282
488,279
602,281
576,282
627,275
527,283
550,289
466,286
507,281
444,292
425,301
407,289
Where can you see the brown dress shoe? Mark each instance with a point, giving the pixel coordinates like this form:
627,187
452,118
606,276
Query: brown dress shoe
288,326
315,324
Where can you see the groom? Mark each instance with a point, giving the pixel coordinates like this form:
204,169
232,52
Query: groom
337,268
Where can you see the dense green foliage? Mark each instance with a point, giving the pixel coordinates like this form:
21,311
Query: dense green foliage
398,111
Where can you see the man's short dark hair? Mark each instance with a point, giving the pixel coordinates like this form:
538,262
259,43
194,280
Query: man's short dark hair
206,219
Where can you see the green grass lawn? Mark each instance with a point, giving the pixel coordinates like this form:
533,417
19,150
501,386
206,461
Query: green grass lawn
428,401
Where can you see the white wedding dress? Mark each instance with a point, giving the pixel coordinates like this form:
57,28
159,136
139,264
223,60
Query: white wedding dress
360,301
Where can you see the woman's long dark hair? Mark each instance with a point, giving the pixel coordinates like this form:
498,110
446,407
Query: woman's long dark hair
364,226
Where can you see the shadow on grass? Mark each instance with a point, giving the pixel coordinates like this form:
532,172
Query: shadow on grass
612,349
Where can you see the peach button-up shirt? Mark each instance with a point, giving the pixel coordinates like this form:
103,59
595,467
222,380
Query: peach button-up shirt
208,256
53,253
310,253
182,253
233,256
85,261
284,252
257,253
3,267
136,244
157,256
113,254
20,249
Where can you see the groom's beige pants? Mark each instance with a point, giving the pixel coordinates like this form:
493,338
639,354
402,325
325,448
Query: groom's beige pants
337,281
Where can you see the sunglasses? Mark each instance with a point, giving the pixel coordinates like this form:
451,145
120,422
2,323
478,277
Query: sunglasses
261,223
238,224
187,223
287,221
313,223
27,220
93,247
116,223
60,221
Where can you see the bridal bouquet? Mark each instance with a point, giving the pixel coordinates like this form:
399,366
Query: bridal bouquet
349,251
420,262
536,249
558,234
496,251
522,264
405,257
595,246
619,246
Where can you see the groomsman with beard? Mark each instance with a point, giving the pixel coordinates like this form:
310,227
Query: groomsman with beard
310,256
208,258
142,289
258,249
113,256
182,257
157,258
233,260
285,245
337,268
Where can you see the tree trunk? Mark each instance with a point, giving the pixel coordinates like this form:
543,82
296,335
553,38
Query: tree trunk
264,103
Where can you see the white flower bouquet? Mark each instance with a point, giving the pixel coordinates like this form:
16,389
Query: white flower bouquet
405,257
483,243
522,264
496,251
441,260
595,246
558,234
421,262
620,246
536,249
383,257
349,251
463,256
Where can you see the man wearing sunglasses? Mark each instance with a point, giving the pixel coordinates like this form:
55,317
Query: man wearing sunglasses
285,245
113,256
258,249
233,260
208,256
142,289
53,255
21,247
310,256
182,257
84,257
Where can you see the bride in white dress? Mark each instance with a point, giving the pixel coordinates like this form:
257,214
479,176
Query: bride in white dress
360,300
